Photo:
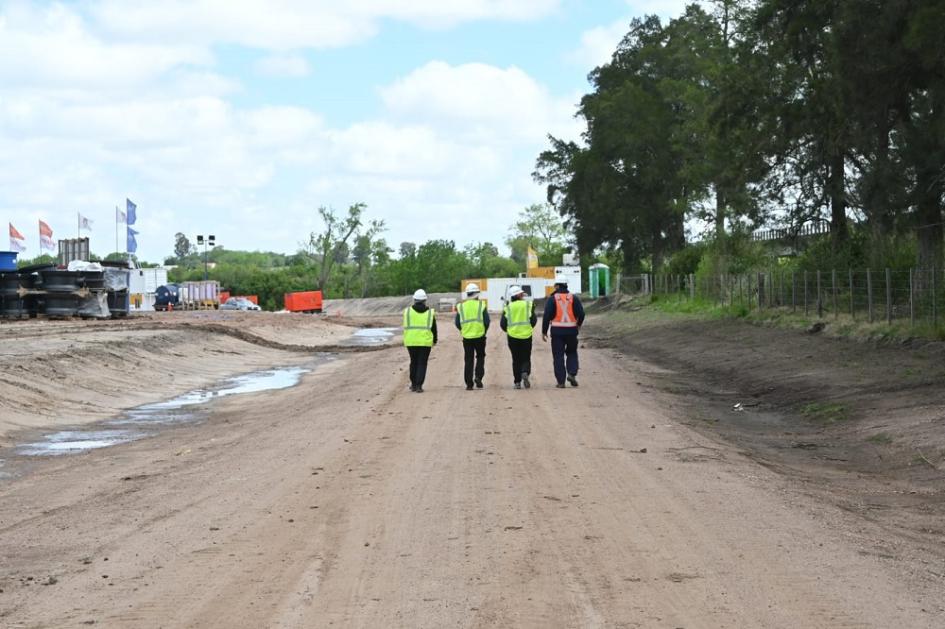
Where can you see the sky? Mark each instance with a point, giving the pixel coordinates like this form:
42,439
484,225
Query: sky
239,118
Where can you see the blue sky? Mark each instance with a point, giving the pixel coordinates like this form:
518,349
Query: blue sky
241,117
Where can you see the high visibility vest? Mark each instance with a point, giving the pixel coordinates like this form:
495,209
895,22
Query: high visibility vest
418,328
518,315
472,321
564,311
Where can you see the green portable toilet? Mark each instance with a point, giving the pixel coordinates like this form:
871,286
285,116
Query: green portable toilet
599,280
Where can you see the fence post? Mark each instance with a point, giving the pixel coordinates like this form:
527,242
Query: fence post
869,294
692,287
852,304
912,297
806,308
833,280
888,296
820,301
793,291
934,305
748,290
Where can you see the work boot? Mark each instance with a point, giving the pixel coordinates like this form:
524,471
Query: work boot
518,385
573,380
526,381
469,387
419,389
560,385
413,388
478,384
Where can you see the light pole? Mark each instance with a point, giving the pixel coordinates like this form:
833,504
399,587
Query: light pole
208,242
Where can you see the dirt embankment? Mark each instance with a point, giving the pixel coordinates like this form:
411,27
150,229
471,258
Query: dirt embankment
860,425
57,373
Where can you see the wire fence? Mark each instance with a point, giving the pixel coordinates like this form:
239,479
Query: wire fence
916,295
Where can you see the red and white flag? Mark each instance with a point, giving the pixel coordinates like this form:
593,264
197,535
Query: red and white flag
46,237
16,240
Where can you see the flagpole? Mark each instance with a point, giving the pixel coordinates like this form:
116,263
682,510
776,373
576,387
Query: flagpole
116,229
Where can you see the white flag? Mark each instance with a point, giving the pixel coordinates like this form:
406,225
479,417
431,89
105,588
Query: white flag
85,223
119,216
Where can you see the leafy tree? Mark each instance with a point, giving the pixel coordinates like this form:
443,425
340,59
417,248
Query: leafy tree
333,240
540,227
182,246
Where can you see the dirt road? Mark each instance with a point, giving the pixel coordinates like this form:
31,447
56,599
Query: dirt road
348,501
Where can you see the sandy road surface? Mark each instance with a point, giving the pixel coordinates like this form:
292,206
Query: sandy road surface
349,501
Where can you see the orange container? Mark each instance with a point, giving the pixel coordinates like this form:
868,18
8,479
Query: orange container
252,298
224,295
304,301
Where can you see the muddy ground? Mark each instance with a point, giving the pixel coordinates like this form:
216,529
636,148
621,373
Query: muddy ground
639,499
64,373
858,424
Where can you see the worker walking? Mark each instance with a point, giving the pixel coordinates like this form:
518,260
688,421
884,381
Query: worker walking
564,314
472,320
518,320
419,338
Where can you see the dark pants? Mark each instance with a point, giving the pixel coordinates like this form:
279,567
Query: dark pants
564,349
474,348
521,357
418,364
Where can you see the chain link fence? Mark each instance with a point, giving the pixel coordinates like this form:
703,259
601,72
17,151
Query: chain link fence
916,295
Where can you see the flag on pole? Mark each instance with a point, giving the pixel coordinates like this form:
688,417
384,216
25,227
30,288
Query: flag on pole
85,222
46,237
119,216
132,212
16,240
532,258
132,243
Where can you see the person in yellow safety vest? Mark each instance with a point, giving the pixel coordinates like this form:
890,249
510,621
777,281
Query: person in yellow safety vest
518,321
472,320
419,338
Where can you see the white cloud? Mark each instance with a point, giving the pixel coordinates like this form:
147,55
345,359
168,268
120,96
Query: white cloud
87,118
292,24
477,99
52,45
292,66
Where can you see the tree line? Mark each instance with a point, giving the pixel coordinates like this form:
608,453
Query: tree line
773,112
350,257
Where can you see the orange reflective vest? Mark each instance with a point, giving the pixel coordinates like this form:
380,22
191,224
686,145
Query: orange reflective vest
564,311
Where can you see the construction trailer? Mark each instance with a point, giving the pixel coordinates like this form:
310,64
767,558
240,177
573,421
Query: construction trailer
143,285
538,283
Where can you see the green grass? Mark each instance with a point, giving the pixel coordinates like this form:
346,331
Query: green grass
842,326
882,439
824,412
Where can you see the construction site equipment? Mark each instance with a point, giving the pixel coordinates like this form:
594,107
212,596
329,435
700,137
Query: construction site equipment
72,249
304,301
7,261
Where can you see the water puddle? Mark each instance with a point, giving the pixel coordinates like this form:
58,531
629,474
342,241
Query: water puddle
372,336
72,441
187,408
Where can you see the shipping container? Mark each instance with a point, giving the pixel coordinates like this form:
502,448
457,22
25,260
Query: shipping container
304,301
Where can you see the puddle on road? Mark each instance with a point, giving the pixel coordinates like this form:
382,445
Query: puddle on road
180,410
371,336
71,441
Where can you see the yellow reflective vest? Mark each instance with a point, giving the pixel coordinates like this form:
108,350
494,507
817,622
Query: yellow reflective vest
418,328
518,316
471,320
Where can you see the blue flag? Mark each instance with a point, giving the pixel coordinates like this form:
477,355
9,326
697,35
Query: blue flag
132,214
132,243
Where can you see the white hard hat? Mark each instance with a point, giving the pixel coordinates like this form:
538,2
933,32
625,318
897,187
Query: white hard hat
471,288
515,290
420,295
